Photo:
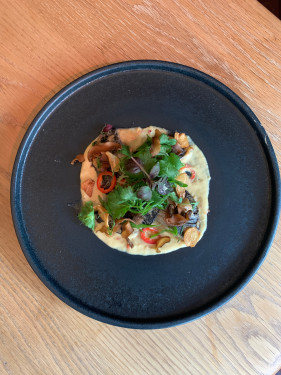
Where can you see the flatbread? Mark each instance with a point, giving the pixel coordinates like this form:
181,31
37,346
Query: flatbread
198,188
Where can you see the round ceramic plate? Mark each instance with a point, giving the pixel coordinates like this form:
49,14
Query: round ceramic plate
152,291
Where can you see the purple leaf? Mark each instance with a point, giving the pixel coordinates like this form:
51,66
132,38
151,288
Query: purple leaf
164,186
144,193
132,167
107,128
154,170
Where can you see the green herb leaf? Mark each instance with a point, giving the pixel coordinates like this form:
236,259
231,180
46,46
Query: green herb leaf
173,230
165,140
126,194
166,144
87,215
125,150
176,182
169,166
144,147
164,150
136,197
173,196
142,226
119,200
194,204
147,160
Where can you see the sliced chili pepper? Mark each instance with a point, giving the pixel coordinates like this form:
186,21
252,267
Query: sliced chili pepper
190,170
146,233
100,182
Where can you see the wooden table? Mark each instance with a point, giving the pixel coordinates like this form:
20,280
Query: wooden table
43,46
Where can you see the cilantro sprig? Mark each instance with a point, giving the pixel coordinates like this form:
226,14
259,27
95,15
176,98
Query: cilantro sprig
150,180
124,199
173,230
87,215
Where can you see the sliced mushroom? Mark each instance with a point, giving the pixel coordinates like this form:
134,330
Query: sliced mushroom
184,206
175,220
178,150
114,162
179,189
156,146
123,220
171,209
88,186
104,215
183,209
126,230
130,243
119,223
101,163
137,219
117,228
191,236
101,227
103,158
96,150
188,151
182,139
78,159
161,241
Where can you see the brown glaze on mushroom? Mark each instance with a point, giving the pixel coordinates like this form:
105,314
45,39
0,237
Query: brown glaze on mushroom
97,149
78,159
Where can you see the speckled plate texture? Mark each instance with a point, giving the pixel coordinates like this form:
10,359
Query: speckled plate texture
152,291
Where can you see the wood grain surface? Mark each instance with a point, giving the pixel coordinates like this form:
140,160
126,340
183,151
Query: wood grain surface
43,46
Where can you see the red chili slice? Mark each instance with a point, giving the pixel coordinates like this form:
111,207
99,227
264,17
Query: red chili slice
146,233
188,168
100,181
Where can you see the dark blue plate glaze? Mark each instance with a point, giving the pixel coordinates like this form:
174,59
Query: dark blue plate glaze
154,291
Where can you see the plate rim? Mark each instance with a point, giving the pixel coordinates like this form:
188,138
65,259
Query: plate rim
122,67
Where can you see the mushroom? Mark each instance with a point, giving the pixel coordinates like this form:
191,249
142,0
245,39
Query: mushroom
161,241
101,227
191,236
184,207
178,150
171,209
182,139
180,189
104,215
126,230
96,150
88,186
129,243
78,159
156,146
175,220
101,162
188,151
114,161
118,223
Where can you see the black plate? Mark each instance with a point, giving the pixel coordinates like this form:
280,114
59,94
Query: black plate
153,291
